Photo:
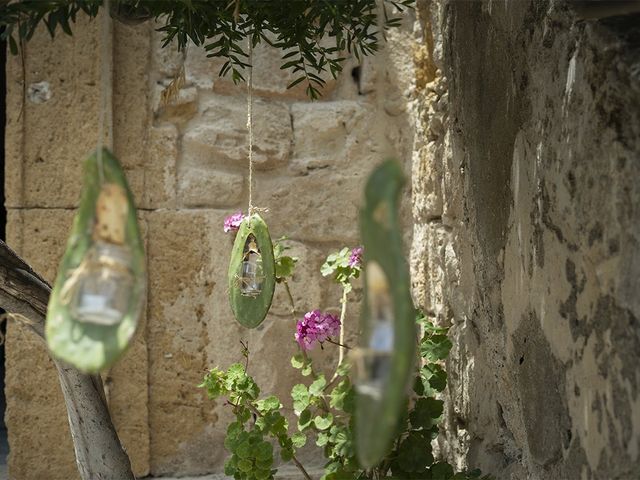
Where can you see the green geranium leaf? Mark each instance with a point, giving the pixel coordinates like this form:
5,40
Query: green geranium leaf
230,467
322,439
307,370
299,440
245,465
264,451
340,393
435,347
244,450
214,383
425,411
343,369
297,361
265,464
268,404
317,386
300,396
435,375
286,454
236,372
263,474
337,265
305,419
415,453
322,423
441,470
285,266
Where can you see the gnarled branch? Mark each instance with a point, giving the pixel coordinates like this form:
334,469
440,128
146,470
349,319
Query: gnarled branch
99,454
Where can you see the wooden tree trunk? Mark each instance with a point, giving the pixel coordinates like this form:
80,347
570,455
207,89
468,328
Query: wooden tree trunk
99,454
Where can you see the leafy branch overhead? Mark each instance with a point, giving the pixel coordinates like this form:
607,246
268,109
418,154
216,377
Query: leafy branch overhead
313,35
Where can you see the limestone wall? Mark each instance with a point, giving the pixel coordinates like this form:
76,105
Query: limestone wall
526,182
187,167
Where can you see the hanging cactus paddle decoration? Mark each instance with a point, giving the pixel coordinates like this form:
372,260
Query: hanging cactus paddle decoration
251,272
384,359
99,291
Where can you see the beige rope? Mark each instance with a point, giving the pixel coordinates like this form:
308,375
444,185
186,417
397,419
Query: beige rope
106,87
250,124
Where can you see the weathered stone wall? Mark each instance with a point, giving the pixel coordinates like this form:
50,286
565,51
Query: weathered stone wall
526,182
187,166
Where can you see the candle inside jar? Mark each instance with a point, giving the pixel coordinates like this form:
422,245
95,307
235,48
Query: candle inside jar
375,361
251,273
103,288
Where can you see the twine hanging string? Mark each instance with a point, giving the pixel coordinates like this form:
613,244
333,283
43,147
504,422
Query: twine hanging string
250,124
105,120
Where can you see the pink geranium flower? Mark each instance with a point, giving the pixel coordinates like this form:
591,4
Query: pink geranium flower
232,222
316,327
355,260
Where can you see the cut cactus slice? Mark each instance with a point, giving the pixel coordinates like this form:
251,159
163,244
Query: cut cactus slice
251,272
384,361
100,288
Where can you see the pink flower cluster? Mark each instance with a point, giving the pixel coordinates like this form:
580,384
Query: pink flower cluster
316,327
232,222
355,260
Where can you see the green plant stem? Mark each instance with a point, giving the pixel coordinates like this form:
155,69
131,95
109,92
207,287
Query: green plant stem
341,345
286,287
343,312
331,383
301,468
302,351
256,412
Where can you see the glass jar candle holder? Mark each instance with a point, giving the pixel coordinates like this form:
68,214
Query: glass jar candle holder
373,362
102,286
251,274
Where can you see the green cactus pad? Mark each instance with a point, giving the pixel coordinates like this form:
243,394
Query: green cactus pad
92,347
384,270
250,311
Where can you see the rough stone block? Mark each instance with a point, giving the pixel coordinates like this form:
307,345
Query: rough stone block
319,207
219,134
49,163
160,170
201,187
344,137
322,130
180,308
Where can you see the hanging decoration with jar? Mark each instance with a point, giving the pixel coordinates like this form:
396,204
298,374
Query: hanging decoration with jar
100,287
251,276
384,360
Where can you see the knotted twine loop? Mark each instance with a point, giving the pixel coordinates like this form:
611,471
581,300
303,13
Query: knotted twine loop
106,88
